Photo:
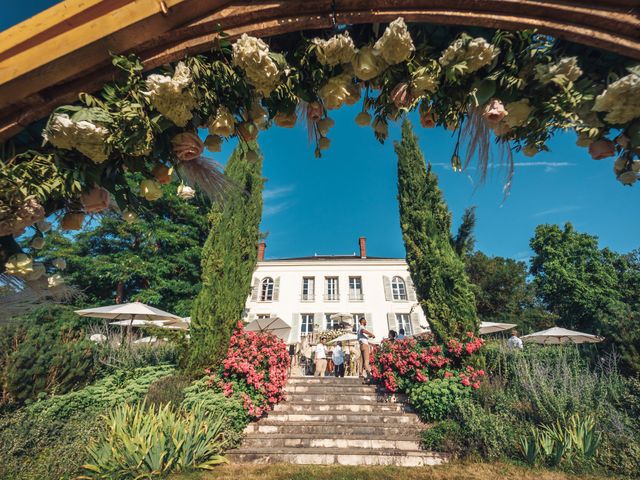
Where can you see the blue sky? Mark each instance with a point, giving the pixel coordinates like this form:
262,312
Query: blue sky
323,205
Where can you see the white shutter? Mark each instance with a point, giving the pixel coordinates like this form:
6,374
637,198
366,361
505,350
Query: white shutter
255,289
387,288
294,336
276,289
391,321
415,323
411,289
318,319
367,317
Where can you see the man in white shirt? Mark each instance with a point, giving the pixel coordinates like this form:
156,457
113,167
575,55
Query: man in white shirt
514,341
338,360
321,359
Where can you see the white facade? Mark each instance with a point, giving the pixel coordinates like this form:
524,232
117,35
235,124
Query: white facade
304,292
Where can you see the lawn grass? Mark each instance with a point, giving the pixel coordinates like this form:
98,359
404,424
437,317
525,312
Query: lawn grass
453,471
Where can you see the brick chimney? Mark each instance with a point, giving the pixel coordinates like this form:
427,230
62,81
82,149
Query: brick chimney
261,248
363,247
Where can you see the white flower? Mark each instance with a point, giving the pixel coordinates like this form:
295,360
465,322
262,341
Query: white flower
24,216
60,263
168,95
186,192
129,216
563,71
518,113
252,55
426,79
19,265
35,274
475,53
84,136
338,49
367,63
55,280
336,91
150,190
621,100
395,45
37,243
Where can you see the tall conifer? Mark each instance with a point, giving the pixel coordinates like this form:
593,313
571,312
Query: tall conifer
228,259
437,271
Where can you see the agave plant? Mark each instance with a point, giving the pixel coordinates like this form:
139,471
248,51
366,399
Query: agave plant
146,442
583,434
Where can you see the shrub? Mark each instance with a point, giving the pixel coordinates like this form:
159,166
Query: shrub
434,400
142,442
169,389
230,408
47,439
445,436
48,354
256,367
401,364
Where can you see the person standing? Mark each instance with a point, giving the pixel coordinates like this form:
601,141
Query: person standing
363,339
401,335
321,359
392,335
515,341
338,360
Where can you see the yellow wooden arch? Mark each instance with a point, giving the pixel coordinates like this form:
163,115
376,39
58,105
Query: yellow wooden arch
47,60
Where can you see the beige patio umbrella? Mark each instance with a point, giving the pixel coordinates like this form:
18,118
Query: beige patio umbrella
557,336
182,324
274,325
129,313
494,327
347,337
346,318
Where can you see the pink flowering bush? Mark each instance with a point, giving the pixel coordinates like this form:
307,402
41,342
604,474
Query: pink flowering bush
255,370
401,364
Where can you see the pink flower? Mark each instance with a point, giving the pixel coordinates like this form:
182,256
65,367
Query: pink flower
602,148
401,95
187,146
494,111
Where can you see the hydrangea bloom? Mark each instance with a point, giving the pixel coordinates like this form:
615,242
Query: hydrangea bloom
169,95
367,63
395,45
26,215
84,136
621,100
336,91
338,49
426,78
565,69
252,55
476,53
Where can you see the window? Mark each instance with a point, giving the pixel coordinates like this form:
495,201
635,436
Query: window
261,316
330,323
332,289
266,290
306,324
356,320
403,320
355,289
308,288
399,289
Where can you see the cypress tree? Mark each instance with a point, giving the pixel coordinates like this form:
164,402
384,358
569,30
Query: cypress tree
228,259
437,271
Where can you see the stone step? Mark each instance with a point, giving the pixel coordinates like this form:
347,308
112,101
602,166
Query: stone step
333,390
265,427
306,440
342,406
332,456
325,380
340,417
300,397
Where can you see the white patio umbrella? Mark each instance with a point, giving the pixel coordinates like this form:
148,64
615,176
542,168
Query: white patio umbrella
146,340
182,324
557,336
343,318
129,313
275,325
132,323
493,327
347,337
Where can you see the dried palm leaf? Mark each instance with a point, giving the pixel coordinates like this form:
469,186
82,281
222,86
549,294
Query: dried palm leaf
207,174
18,297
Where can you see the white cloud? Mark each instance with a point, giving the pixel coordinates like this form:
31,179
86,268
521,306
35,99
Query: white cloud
275,200
279,192
556,210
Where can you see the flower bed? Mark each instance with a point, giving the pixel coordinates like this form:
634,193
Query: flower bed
256,369
402,364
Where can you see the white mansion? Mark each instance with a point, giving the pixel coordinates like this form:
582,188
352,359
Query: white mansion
307,291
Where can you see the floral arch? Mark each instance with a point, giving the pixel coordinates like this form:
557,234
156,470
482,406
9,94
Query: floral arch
513,88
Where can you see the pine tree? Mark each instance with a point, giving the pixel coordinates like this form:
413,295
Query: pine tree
464,242
228,259
437,271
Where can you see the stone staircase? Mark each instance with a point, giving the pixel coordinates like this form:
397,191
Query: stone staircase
336,421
